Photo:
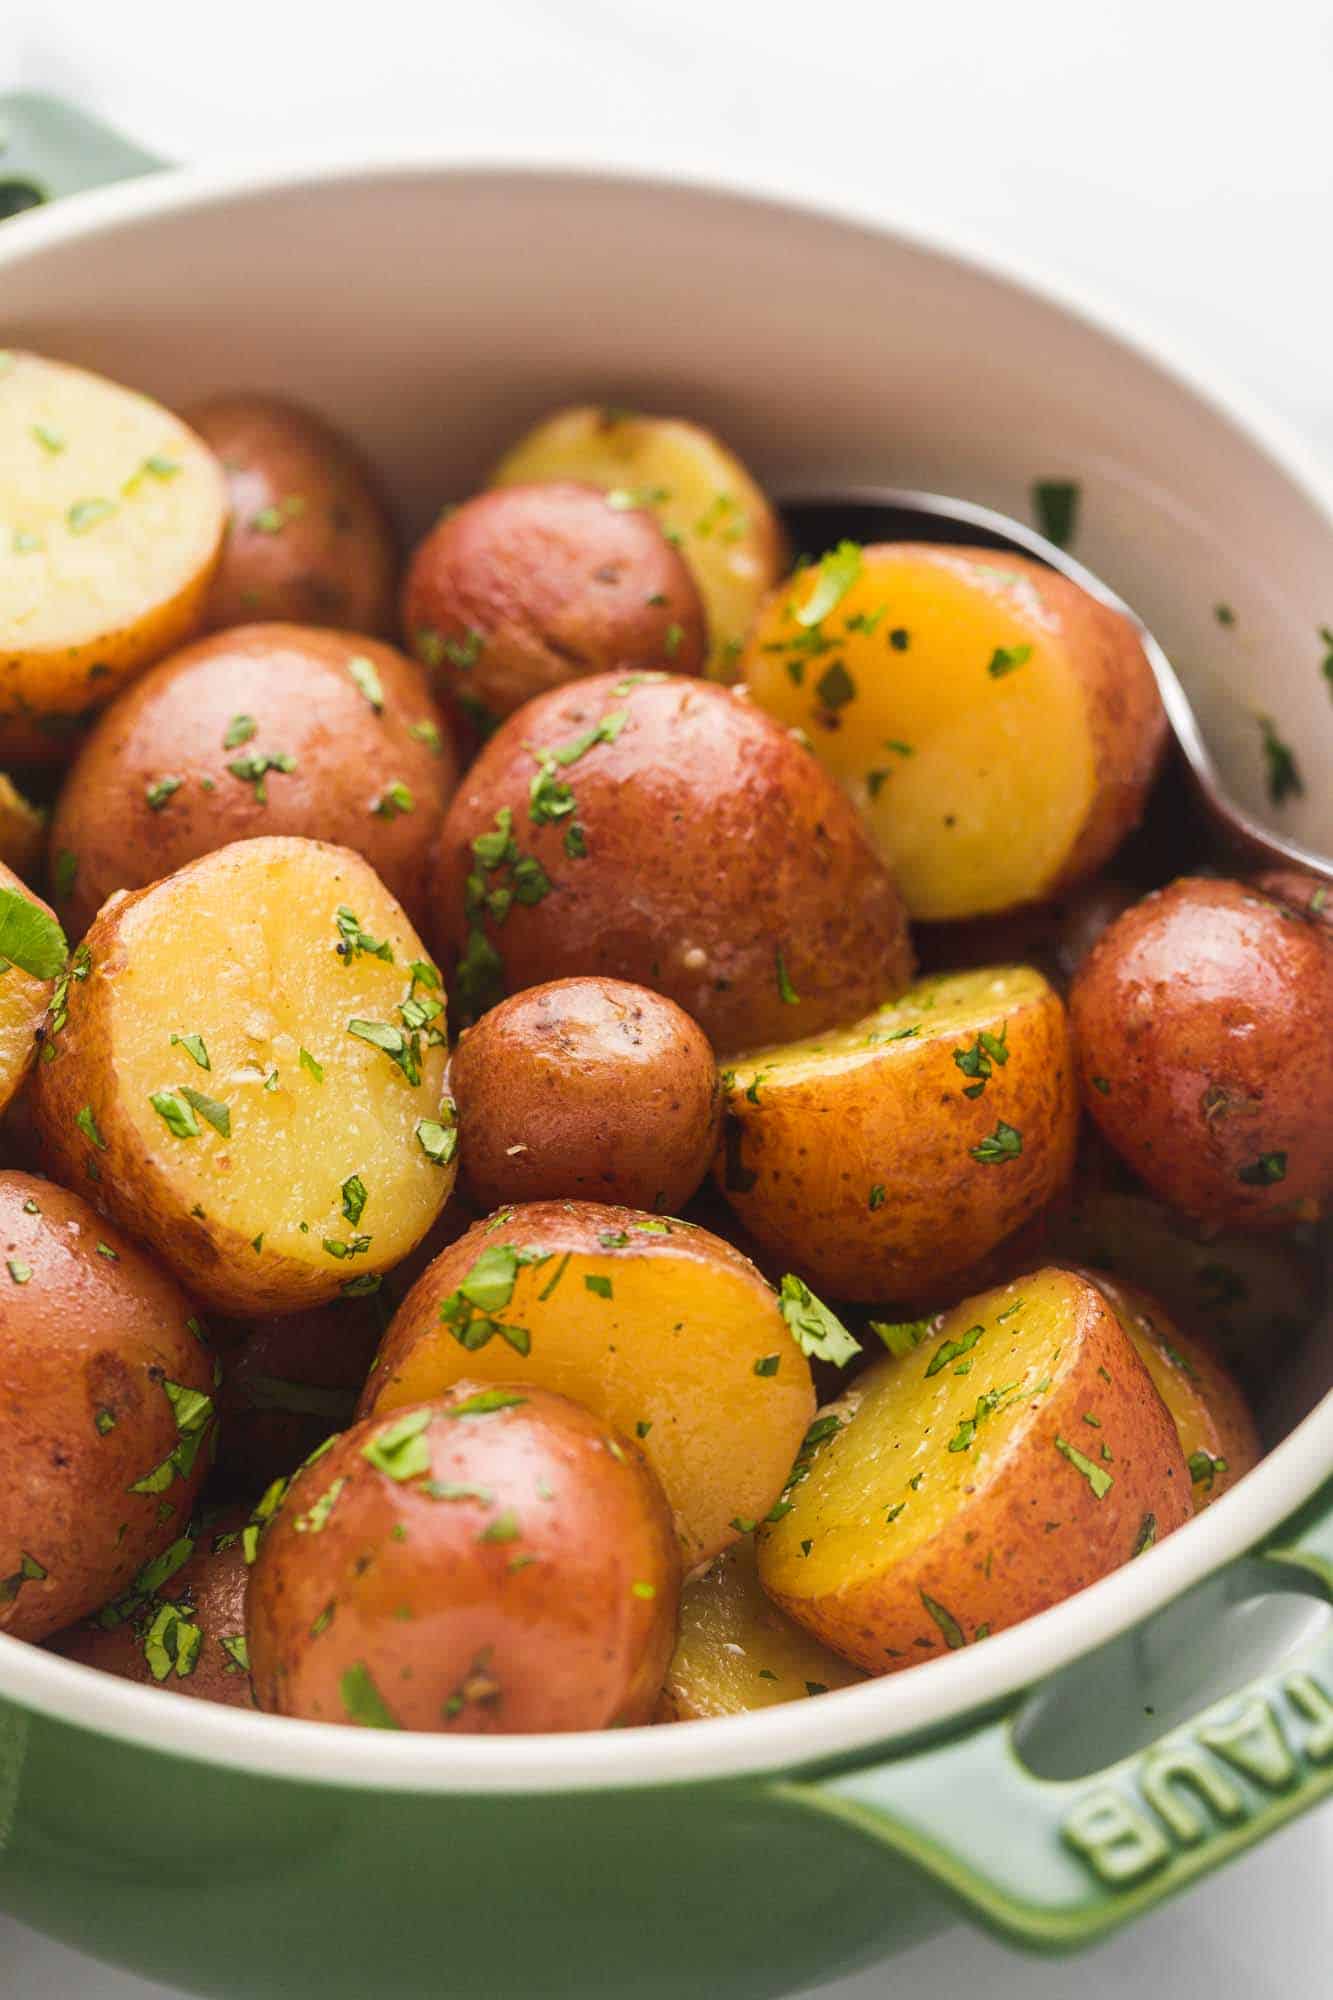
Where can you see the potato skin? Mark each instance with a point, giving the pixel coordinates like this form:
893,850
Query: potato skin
1201,1025
87,1341
536,1592
522,589
722,866
22,830
310,539
867,1178
1308,895
209,1592
655,1324
586,1087
995,1561
181,722
290,1383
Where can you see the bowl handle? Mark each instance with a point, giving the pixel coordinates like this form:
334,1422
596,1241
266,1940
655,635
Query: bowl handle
1055,1864
50,148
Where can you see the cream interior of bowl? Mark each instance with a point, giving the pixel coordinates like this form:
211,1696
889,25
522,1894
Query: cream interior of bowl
436,312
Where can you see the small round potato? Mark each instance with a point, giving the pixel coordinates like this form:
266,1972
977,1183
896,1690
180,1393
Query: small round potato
106,1409
708,504
114,516
181,1625
310,539
1213,1421
269,729
249,1072
32,961
1201,1026
662,830
289,1384
495,1562
518,591
586,1087
998,727
960,1487
664,1330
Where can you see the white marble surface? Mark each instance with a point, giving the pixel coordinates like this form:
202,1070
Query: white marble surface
1170,157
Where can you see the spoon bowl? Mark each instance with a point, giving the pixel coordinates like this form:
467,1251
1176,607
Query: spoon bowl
816,521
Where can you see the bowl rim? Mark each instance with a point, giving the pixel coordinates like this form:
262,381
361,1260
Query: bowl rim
859,1723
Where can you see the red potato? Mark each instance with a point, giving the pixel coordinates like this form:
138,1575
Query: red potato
497,1561
520,590
1201,1025
662,830
183,1626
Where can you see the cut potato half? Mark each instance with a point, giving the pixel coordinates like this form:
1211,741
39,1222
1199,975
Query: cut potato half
735,1651
998,727
705,499
657,1326
249,1072
112,515
32,957
22,830
1213,1421
882,1157
1014,1456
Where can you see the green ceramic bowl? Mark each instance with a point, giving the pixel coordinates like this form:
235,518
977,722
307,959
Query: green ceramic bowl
1055,1780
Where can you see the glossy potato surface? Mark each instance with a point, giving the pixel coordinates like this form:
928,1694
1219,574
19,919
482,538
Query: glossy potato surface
1201,1023
266,729
521,590
709,505
209,1087
106,1409
184,1629
657,1326
881,1157
997,727
497,1561
1015,1456
114,515
661,830
309,539
736,1652
586,1087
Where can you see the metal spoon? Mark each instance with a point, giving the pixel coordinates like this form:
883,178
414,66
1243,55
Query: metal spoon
867,514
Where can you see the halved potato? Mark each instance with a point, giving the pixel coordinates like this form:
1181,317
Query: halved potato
1016,1455
251,1074
1213,1421
658,1327
998,727
735,1651
705,499
113,515
32,958
882,1157
22,830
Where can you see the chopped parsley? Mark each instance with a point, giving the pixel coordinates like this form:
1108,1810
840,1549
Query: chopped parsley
1004,1143
401,1450
816,1331
902,1336
977,1060
353,1198
194,1048
951,1630
366,677
836,574
1283,776
1055,503
239,730
362,1701
30,938
254,769
786,991
1266,1171
1005,658
160,790
1097,1477
394,800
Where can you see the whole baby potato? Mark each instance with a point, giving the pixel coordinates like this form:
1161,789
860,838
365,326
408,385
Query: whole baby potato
106,1409
249,1071
519,590
497,1561
587,1087
662,830
661,1328
267,729
310,539
181,1625
998,727
1201,1028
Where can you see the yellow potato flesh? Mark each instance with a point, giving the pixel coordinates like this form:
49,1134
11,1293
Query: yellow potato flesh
954,1007
109,508
884,1481
240,951
975,782
673,1349
23,1001
736,1651
22,830
703,496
